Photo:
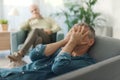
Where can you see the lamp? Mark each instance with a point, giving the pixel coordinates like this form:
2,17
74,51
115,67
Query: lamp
13,12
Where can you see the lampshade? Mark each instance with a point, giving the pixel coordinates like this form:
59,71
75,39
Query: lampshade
13,12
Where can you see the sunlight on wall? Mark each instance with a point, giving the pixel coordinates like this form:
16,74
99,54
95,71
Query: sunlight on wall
55,3
17,2
104,6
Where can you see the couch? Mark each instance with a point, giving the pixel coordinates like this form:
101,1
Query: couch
106,51
18,38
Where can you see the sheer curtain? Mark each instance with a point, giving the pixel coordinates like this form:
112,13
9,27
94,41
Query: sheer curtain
1,8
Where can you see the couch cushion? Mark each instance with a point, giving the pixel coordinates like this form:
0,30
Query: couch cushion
104,48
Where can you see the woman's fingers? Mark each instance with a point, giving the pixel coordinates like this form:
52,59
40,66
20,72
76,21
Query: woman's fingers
84,43
82,30
86,33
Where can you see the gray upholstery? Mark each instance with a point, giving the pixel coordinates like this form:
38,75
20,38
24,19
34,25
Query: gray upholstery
19,37
105,47
106,51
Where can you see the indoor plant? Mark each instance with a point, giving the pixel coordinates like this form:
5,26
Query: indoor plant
76,12
4,24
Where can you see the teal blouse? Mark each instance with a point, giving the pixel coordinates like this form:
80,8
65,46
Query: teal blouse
43,67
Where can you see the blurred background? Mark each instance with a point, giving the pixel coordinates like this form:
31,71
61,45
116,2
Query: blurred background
109,9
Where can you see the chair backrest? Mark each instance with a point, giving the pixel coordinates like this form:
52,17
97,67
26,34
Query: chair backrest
104,48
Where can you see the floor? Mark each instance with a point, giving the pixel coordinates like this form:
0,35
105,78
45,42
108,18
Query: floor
3,58
4,61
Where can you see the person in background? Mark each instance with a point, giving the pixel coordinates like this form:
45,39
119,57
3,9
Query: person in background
56,58
41,30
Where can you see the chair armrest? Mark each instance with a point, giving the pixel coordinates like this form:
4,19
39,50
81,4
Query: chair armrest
105,70
60,35
17,38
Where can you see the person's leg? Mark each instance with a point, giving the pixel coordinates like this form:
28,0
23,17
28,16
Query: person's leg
32,37
45,38
38,41
53,37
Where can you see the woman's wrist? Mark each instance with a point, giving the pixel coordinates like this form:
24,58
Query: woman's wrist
64,42
71,42
68,47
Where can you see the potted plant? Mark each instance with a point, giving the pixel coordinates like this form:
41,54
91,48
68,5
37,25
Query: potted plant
4,24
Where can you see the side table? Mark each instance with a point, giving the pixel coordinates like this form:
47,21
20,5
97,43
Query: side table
4,40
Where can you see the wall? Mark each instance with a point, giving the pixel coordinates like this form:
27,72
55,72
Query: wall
111,10
104,28
116,14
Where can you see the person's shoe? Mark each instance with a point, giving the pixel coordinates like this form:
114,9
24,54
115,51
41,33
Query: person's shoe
16,56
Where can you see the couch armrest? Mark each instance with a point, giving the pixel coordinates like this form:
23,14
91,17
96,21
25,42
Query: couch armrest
60,35
16,39
105,70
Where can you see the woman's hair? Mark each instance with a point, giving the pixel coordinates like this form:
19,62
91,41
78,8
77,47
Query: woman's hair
92,31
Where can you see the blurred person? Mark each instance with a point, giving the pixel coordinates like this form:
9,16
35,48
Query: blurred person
41,30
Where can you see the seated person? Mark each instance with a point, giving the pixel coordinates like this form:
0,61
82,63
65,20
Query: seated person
41,31
57,58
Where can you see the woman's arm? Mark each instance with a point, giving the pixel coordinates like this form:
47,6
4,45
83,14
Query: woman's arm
43,51
52,47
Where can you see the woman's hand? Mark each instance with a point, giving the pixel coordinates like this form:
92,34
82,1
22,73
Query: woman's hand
67,37
49,32
78,35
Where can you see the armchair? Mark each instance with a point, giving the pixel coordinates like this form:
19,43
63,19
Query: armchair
19,37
